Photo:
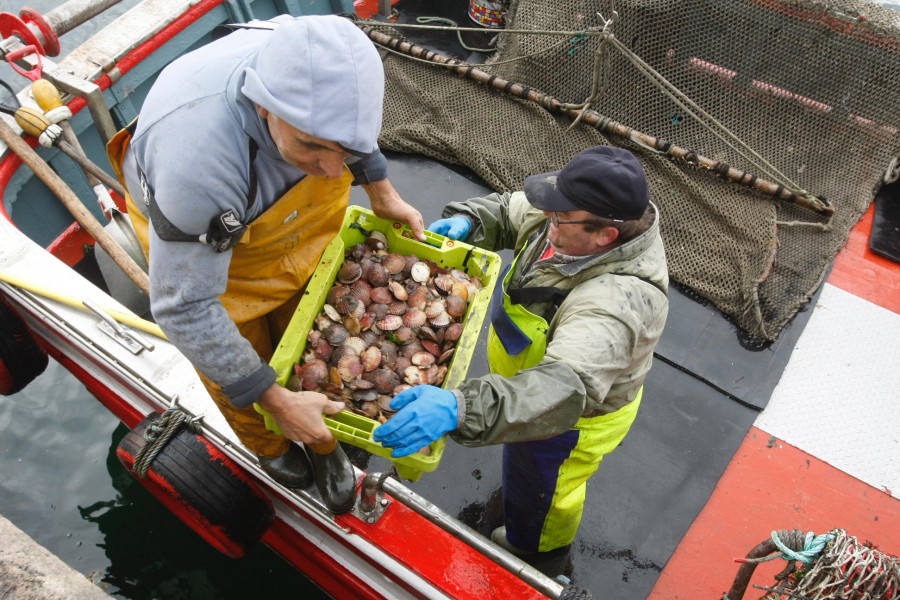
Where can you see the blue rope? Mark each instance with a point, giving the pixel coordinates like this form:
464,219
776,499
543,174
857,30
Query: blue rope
812,547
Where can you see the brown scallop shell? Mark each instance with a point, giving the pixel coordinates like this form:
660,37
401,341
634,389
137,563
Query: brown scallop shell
431,347
381,295
376,240
352,324
377,275
394,263
442,320
347,304
422,359
444,282
390,323
452,332
397,307
460,289
371,358
414,376
456,306
312,373
356,343
362,290
349,367
414,318
398,290
349,272
418,298
335,334
434,308
404,334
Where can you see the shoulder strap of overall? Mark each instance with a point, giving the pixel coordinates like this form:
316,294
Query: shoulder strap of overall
225,230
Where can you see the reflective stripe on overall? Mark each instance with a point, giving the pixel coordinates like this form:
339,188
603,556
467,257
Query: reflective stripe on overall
269,270
544,481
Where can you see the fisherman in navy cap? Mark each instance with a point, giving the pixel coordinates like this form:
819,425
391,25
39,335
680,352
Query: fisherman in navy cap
573,326
242,160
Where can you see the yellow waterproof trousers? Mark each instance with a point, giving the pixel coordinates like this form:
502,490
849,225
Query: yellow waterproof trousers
269,270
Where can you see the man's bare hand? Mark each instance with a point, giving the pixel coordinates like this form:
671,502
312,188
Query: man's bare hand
387,204
299,414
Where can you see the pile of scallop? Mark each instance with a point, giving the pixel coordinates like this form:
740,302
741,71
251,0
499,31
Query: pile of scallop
390,321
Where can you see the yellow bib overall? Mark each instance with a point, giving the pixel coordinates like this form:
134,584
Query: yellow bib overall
269,270
545,481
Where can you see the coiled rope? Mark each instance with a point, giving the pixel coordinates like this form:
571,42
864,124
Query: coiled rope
158,434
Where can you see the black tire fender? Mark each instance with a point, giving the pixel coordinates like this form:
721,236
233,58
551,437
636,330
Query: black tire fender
203,487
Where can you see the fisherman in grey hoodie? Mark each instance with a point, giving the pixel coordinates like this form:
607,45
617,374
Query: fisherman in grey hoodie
242,159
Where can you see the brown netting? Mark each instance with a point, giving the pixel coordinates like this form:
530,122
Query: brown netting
811,87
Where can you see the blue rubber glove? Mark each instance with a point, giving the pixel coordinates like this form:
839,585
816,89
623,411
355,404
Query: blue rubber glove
425,414
455,228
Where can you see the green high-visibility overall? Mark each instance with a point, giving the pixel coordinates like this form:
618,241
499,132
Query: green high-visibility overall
544,481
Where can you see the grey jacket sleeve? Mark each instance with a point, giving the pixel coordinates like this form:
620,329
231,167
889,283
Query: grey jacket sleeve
186,279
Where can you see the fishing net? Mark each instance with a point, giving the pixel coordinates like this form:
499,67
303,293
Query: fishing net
799,96
841,569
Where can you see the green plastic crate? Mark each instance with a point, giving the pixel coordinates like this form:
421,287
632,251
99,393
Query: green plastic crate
353,428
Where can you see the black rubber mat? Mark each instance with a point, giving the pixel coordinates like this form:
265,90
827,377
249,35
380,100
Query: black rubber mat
885,236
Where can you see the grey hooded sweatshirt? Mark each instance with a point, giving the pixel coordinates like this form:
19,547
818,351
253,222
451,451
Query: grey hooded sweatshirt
320,74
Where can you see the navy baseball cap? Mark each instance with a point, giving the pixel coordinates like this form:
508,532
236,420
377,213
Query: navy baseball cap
606,181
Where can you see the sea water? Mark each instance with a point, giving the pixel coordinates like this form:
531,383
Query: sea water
60,481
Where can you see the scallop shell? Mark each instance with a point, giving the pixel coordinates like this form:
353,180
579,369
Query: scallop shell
349,272
349,367
336,334
414,376
332,313
398,290
370,409
445,357
362,290
390,323
427,333
397,307
378,311
376,240
414,318
384,403
312,374
442,320
360,384
381,295
414,345
385,380
444,282
369,395
422,359
431,347
394,263
335,293
460,289
377,275
434,308
352,324
418,298
357,344
456,306
347,304
452,332
371,358
404,334
420,272
459,275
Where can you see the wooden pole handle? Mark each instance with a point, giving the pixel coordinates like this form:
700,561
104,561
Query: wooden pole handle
74,205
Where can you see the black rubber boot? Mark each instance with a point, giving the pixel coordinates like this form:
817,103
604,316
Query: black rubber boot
291,469
335,477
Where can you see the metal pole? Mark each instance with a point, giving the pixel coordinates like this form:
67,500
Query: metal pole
68,16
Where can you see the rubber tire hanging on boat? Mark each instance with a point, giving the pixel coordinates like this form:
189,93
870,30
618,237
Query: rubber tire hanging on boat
204,488
21,359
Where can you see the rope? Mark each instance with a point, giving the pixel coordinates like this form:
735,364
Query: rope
458,32
795,546
158,434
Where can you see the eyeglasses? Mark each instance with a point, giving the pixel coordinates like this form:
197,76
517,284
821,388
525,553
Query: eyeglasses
555,219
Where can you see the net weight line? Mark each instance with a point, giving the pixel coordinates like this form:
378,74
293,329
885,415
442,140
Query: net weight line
601,123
